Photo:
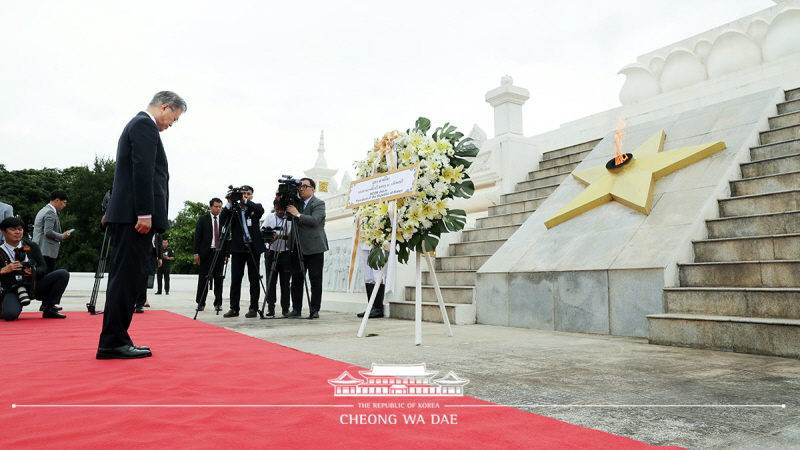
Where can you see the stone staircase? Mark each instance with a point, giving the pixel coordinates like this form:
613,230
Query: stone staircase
456,273
742,293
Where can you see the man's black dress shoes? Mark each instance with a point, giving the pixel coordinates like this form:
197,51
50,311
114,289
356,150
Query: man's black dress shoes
52,313
217,308
201,306
123,352
57,307
139,310
294,314
231,313
314,315
252,313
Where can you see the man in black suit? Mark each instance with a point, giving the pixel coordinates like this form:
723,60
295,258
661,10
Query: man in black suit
23,261
207,238
309,232
136,210
246,247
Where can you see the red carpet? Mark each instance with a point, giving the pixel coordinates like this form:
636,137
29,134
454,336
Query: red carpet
226,390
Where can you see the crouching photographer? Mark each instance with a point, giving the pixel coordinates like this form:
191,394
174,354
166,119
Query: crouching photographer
24,276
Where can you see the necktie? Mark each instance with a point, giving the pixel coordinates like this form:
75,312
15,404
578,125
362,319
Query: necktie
18,254
216,233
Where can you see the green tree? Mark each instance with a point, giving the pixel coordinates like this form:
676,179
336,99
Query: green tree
180,236
28,190
86,188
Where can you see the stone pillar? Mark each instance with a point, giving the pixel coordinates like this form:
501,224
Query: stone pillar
507,101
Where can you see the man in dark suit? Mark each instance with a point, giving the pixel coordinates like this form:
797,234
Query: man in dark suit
136,210
39,283
246,247
207,238
309,233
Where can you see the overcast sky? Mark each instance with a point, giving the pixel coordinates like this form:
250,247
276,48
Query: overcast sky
263,78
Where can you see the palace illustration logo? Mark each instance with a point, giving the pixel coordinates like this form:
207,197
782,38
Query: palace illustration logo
398,380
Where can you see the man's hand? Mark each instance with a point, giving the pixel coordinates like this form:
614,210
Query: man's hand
292,210
159,263
143,225
197,259
66,234
12,267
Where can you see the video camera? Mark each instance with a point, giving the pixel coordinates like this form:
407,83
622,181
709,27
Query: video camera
268,233
288,192
235,194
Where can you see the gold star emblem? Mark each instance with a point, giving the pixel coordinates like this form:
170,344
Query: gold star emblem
631,184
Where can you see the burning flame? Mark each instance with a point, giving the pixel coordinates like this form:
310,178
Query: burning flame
619,133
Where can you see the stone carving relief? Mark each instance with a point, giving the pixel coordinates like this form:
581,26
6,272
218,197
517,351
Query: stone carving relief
337,266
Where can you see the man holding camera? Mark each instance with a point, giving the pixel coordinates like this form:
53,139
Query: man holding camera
47,228
309,231
207,239
24,275
246,247
136,210
278,253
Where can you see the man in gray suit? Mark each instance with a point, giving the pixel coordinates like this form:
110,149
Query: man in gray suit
6,211
47,228
309,232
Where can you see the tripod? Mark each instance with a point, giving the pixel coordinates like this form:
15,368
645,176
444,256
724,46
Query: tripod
99,273
226,234
292,246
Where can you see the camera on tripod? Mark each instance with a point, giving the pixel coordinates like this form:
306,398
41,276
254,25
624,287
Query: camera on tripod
235,194
288,192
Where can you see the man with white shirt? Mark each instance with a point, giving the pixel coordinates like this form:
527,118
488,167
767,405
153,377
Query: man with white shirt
208,240
24,275
278,253
47,228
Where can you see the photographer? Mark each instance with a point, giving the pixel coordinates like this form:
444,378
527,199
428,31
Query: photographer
276,232
309,230
246,247
24,275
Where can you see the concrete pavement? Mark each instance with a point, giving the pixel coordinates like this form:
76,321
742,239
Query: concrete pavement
616,384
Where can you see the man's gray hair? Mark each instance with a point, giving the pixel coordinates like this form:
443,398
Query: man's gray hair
169,98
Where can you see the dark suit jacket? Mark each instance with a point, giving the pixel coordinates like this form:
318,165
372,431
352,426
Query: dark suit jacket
310,227
254,212
204,236
141,179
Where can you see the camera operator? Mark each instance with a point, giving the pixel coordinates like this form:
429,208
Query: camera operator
246,247
309,230
24,275
278,227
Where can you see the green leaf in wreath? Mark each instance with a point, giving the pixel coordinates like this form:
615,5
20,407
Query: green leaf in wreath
465,189
423,125
377,258
430,243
